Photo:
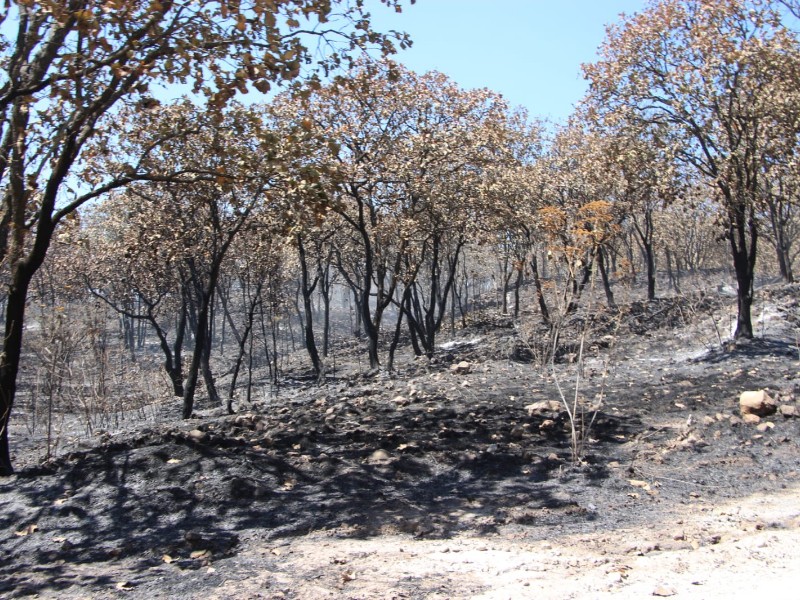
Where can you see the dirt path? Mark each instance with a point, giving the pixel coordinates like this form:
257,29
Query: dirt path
742,549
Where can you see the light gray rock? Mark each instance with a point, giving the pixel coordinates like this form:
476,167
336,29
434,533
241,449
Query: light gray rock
757,403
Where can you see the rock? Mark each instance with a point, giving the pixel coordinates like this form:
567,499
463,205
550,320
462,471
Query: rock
788,410
664,591
757,403
543,406
194,539
547,424
751,419
517,433
709,420
735,421
461,368
380,456
765,426
614,578
196,435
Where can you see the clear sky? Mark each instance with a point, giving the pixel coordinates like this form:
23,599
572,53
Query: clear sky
528,50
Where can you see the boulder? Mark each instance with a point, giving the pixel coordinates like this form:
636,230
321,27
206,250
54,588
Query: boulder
461,368
788,410
757,403
547,424
543,406
380,456
197,436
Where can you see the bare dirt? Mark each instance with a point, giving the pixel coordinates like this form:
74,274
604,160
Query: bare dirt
442,484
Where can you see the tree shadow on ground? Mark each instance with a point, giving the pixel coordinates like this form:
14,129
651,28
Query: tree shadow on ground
755,348
428,471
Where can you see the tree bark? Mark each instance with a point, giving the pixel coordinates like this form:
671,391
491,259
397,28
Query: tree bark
307,288
9,361
601,263
743,251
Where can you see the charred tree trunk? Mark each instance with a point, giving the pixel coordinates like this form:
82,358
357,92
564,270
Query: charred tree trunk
602,265
743,237
307,287
517,286
243,340
9,360
537,282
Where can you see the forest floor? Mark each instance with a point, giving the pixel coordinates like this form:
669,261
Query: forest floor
444,483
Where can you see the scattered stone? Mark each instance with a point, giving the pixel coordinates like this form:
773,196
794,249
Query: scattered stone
379,456
461,368
194,539
664,591
709,420
517,432
196,435
757,403
735,421
765,426
543,406
788,410
751,419
547,424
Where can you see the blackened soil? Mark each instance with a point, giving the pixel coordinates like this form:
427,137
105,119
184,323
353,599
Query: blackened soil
165,511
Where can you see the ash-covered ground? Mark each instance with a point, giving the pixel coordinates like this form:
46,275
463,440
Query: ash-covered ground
453,478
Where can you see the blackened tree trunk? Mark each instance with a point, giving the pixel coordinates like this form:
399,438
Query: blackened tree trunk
780,215
253,302
603,266
205,362
743,237
9,360
397,329
201,335
672,273
645,233
307,287
537,282
517,286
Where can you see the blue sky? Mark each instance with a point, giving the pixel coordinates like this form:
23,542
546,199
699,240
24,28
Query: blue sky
528,50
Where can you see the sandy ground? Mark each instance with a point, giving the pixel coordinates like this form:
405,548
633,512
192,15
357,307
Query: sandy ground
744,549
